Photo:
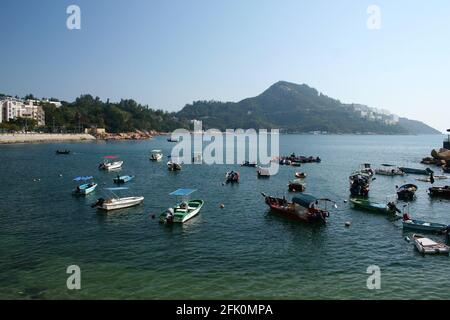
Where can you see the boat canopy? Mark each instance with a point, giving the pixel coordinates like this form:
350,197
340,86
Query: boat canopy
83,178
110,157
182,192
305,200
156,151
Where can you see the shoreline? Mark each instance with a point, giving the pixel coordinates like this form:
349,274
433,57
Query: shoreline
16,138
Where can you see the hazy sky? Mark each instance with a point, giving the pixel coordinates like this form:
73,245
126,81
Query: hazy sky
169,53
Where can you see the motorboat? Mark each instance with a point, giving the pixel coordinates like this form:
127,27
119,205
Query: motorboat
249,164
296,185
303,207
85,188
173,166
360,184
441,192
424,226
232,177
123,179
63,151
366,205
425,172
184,210
110,165
115,202
406,192
156,155
427,246
263,172
389,172
300,175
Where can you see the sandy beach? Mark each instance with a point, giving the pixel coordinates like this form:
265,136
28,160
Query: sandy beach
42,137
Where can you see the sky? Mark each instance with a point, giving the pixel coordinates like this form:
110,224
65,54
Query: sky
169,53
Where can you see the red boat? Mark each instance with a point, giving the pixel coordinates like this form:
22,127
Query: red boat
304,207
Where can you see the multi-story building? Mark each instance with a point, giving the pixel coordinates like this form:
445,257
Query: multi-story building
12,108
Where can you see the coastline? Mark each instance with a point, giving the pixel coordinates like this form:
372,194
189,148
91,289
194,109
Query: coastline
13,138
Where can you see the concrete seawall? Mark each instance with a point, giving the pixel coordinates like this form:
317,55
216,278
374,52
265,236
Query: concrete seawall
42,137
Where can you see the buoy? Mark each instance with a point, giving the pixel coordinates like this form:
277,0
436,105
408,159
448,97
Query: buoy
348,224
60,175
222,206
153,216
345,201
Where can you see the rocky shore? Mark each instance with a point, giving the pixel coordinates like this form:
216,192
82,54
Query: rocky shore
137,135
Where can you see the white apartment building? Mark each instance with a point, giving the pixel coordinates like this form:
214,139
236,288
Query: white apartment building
12,108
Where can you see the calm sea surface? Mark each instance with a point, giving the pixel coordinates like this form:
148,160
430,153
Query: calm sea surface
237,252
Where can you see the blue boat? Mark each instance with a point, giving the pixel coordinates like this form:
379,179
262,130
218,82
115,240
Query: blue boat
123,179
85,188
425,172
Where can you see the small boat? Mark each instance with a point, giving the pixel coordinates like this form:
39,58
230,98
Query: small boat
429,179
115,202
156,155
428,246
364,204
249,164
62,151
443,192
110,165
232,177
173,166
173,140
424,226
296,186
263,173
123,179
390,172
300,175
185,210
85,188
406,192
303,207
425,172
296,164
366,168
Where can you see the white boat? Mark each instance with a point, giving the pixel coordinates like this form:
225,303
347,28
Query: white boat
263,172
156,155
115,202
428,246
173,166
106,165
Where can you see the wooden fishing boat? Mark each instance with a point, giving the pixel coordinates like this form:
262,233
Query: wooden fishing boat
360,184
367,205
62,151
407,192
425,172
428,246
156,155
296,186
115,203
263,173
232,177
424,226
300,175
303,207
442,192
85,188
184,211
123,179
173,166
249,164
390,172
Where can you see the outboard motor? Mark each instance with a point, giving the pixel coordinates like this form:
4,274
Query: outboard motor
99,203
169,215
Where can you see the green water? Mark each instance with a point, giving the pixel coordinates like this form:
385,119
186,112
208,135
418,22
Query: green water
238,252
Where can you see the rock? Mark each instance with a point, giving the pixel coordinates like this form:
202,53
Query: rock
442,154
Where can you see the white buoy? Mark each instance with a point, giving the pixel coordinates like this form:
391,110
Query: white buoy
348,224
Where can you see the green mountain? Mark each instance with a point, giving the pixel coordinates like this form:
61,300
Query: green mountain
417,127
123,116
295,108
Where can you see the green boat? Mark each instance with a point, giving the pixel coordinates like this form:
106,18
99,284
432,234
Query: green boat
368,205
184,211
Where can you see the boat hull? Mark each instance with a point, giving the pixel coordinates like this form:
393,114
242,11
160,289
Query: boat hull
85,189
423,226
121,203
